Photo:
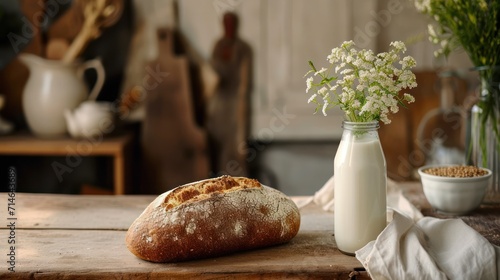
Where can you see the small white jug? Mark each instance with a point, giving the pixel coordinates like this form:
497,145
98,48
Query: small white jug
90,120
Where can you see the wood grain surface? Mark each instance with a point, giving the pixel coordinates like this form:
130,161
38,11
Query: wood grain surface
82,237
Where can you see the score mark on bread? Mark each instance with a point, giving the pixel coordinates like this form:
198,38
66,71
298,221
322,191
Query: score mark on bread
204,189
213,217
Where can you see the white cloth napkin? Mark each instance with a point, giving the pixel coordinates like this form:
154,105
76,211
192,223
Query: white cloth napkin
429,249
417,247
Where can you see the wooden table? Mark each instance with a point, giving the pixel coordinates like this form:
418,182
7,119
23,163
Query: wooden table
82,237
116,146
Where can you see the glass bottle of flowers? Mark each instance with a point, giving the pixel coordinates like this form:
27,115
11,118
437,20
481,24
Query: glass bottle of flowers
367,87
474,26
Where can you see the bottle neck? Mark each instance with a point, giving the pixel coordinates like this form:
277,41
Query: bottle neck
361,126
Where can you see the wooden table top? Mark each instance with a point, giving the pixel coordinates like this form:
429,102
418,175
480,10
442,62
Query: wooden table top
84,237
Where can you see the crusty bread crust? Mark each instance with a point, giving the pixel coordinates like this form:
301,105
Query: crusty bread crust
204,189
211,218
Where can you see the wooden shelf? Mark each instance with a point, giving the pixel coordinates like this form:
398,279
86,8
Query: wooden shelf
116,146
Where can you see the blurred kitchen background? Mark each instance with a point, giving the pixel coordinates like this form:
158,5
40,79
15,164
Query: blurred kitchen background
162,73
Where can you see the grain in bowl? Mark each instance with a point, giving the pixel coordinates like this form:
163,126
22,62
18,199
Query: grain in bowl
461,171
454,189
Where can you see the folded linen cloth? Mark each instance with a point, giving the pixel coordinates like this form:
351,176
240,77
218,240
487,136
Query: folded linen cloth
429,249
417,247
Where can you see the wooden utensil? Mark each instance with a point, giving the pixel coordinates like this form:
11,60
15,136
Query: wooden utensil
98,14
56,48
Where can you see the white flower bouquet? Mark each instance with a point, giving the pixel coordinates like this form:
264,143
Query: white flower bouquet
366,86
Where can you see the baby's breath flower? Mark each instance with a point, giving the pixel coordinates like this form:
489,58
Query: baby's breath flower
431,30
394,109
373,89
408,61
326,97
365,86
346,71
399,46
347,44
423,5
342,65
385,119
322,70
322,91
325,106
356,104
309,82
312,98
409,98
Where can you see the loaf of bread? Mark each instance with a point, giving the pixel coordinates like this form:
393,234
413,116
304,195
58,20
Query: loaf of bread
211,218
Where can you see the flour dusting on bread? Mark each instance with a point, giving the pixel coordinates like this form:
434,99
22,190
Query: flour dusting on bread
204,189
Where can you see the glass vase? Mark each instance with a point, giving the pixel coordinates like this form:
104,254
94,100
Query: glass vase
360,178
484,141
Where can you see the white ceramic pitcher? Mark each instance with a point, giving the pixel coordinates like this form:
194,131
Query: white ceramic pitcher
54,87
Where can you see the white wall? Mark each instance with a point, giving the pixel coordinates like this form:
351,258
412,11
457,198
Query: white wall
284,35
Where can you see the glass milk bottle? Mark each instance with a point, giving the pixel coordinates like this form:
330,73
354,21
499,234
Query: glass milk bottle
360,178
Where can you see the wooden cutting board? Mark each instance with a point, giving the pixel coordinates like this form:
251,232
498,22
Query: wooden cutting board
174,147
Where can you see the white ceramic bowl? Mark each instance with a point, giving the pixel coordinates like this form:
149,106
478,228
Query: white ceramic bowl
454,195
